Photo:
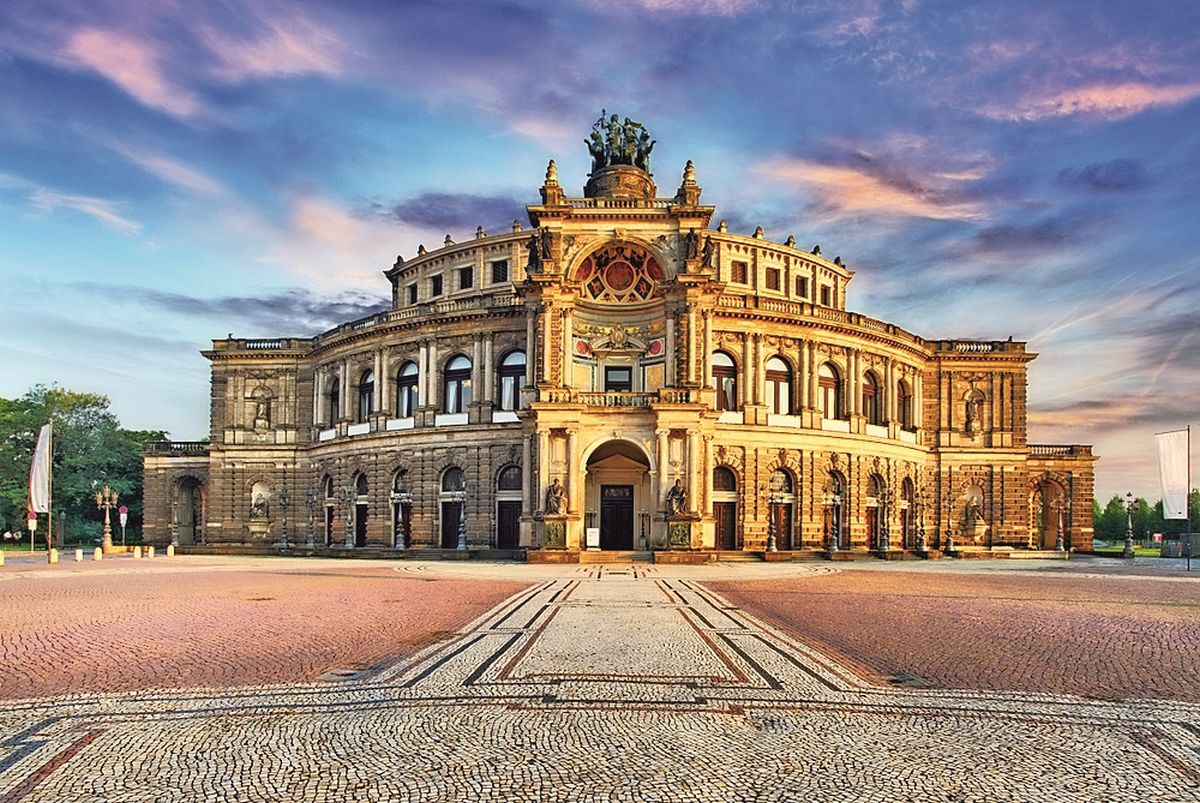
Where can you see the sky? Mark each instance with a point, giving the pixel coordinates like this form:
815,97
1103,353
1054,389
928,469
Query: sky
171,172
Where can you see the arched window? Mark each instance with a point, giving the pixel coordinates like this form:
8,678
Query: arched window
904,404
779,386
458,385
360,485
453,480
724,479
725,379
512,377
328,489
781,482
406,390
872,399
509,479
829,398
366,395
335,401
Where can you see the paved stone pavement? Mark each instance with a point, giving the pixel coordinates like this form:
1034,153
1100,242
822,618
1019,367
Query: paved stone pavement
1083,633
122,624
600,683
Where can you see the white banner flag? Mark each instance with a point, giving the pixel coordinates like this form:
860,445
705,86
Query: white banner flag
39,474
1173,472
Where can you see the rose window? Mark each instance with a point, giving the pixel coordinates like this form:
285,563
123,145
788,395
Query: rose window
619,273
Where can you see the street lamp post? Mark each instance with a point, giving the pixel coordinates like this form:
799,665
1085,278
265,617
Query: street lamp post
310,503
1059,546
919,514
106,500
772,539
284,499
32,523
400,497
885,505
462,518
1128,553
835,521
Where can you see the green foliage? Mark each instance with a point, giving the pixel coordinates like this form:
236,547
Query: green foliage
91,450
1112,522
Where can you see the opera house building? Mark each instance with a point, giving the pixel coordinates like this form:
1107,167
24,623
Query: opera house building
622,374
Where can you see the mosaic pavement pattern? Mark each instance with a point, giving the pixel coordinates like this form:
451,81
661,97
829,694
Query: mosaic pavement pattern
602,683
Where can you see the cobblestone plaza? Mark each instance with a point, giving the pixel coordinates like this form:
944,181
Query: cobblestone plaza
595,682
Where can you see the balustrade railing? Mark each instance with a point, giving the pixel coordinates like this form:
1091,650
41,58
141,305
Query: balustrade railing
177,447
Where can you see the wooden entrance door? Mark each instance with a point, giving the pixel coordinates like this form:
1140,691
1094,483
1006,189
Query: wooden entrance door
781,517
360,525
725,514
508,525
872,528
616,517
451,511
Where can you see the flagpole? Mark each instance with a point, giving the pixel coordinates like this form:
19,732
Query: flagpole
50,490
1188,498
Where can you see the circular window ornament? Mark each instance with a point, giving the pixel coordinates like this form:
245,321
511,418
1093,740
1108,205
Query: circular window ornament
619,273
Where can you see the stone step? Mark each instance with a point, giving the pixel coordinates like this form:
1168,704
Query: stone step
614,556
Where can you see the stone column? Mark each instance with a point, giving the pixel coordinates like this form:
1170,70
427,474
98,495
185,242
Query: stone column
663,460
814,375
804,369
757,368
423,373
380,382
527,475
573,472
744,396
707,468
344,389
854,403
547,340
431,383
476,366
693,456
543,467
318,397
530,345
708,348
889,392
489,369
567,343
693,345
670,378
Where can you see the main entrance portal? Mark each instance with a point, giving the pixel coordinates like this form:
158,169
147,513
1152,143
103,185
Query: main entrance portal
618,495
616,517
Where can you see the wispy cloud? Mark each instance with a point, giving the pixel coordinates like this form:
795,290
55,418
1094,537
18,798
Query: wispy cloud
720,8
133,63
1104,101
841,190
172,171
1116,175
292,46
297,311
105,211
452,212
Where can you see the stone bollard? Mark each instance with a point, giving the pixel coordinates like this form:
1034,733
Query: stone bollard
78,555
97,554
170,550
52,556
150,551
1,558
137,553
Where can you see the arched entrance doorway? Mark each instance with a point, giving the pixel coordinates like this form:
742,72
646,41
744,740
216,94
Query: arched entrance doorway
618,495
1048,514
189,511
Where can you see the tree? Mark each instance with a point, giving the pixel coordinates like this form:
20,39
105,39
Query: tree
91,449
1110,522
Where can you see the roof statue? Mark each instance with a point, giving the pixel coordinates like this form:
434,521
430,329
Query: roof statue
615,143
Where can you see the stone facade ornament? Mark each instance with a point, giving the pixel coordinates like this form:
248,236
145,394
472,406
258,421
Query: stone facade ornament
677,499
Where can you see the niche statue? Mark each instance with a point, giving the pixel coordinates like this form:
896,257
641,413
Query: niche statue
556,498
676,499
